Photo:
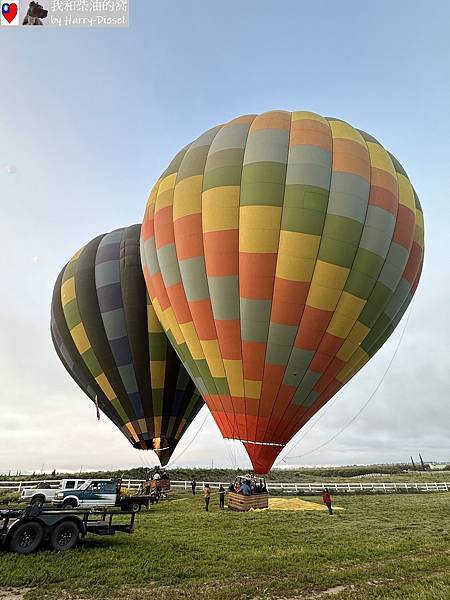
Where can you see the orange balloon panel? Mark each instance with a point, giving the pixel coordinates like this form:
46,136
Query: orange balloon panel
280,251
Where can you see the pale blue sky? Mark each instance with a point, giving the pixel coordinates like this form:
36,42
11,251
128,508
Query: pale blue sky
90,117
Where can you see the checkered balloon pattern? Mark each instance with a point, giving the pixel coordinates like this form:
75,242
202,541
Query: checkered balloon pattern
108,337
280,252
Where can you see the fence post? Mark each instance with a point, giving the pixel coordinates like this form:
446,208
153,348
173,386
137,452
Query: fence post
20,487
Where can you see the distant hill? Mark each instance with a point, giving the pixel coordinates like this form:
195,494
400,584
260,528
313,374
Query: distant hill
204,474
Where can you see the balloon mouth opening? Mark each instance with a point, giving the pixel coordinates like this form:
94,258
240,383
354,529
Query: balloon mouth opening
262,455
162,447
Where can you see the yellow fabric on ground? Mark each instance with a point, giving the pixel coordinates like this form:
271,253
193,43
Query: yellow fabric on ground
296,504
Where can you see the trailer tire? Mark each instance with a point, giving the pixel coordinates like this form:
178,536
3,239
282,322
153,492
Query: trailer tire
64,536
26,538
37,501
134,507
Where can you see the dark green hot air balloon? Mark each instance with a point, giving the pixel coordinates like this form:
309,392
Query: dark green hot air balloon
107,335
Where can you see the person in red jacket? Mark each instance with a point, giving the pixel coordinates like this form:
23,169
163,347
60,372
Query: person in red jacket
326,497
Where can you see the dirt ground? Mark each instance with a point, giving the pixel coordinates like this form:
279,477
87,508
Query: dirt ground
13,593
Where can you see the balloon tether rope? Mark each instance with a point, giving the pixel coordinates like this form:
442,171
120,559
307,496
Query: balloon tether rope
353,419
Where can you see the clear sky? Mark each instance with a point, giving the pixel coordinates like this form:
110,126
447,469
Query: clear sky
90,117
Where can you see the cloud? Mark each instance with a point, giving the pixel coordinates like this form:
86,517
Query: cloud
46,419
10,169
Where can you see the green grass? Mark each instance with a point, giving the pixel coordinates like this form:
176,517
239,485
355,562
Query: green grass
8,496
379,547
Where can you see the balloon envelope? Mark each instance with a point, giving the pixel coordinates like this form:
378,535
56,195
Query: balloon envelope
280,251
108,337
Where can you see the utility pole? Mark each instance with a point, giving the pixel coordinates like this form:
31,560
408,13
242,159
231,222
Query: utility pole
422,463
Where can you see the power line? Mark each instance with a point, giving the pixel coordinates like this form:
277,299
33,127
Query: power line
190,443
322,414
353,419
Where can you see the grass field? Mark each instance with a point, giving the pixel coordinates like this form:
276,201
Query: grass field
378,547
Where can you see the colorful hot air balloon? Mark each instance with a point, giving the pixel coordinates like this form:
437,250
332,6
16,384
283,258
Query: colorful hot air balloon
108,337
280,252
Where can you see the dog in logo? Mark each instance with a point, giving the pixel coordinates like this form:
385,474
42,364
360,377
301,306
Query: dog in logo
35,14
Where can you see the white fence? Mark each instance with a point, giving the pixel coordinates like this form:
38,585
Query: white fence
283,488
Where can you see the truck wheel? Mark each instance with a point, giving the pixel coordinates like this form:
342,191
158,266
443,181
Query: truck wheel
37,501
69,504
135,507
64,536
26,538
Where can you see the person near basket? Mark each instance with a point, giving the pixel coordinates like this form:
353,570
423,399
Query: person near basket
326,497
207,496
221,496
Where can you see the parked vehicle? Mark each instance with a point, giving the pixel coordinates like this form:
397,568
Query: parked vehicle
23,531
160,485
45,491
100,493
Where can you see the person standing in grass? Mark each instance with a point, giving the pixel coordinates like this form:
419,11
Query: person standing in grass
326,497
193,486
207,496
221,496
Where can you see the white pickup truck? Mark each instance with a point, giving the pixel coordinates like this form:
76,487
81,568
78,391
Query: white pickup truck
45,491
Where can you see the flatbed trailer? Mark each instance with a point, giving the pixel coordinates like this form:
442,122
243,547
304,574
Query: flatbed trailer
136,502
23,531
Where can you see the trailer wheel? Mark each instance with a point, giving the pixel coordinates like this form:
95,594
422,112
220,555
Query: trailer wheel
64,536
26,538
134,507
